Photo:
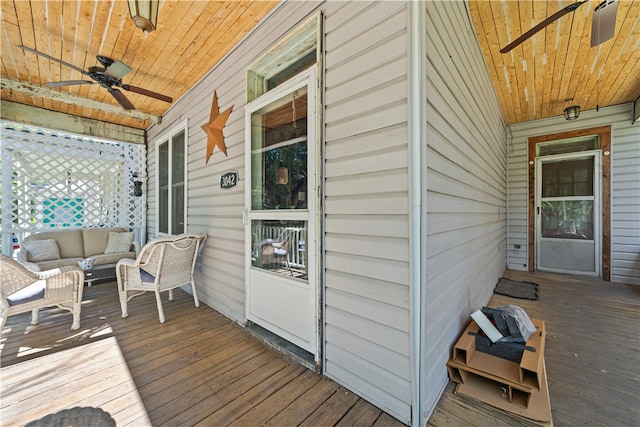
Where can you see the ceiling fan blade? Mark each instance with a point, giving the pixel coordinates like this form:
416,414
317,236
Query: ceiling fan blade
146,92
69,83
559,14
78,69
603,25
119,96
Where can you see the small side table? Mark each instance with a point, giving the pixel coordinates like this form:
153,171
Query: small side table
99,272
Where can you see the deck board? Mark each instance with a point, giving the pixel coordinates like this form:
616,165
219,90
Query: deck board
200,368
592,354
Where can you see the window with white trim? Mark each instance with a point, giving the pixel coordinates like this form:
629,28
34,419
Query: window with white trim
171,214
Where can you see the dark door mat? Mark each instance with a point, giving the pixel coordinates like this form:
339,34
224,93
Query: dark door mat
522,290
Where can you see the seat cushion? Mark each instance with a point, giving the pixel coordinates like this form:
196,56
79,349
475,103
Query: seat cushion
57,263
279,252
33,292
146,277
113,258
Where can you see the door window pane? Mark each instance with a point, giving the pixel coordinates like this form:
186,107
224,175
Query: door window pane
279,154
567,178
279,246
568,219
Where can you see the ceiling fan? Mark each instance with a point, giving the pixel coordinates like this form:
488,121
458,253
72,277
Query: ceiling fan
109,76
603,24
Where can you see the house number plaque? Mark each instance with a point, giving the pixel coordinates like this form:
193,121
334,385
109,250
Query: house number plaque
229,180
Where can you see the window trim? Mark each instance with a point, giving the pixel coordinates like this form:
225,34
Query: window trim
168,137
297,44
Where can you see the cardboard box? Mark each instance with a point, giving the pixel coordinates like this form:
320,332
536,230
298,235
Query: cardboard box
527,373
518,388
534,406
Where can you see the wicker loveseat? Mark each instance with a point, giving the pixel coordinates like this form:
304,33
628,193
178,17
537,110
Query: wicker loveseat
60,248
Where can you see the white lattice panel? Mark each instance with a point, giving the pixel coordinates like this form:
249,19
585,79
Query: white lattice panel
54,180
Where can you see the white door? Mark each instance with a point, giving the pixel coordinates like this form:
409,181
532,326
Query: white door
568,213
281,207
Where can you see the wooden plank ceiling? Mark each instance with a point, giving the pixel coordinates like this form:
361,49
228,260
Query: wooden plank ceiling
557,67
190,38
554,69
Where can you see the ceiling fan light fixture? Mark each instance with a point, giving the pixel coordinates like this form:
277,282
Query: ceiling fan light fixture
144,14
117,69
603,25
572,113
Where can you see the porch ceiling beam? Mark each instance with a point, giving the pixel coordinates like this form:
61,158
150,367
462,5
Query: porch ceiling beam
54,120
54,95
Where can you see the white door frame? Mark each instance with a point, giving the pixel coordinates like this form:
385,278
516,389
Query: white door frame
597,209
309,292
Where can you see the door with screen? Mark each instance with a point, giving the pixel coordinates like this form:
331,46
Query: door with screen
280,212
568,213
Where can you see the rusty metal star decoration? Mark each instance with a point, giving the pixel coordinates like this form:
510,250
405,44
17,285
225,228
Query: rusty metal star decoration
214,128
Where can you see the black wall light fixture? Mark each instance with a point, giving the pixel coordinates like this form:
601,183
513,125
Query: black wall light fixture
572,113
137,185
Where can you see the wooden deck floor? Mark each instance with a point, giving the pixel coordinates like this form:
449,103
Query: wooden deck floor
592,355
199,368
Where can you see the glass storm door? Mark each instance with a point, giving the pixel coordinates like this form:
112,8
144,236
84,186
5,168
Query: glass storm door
568,213
280,212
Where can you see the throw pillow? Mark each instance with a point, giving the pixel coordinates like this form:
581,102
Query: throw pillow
119,242
42,250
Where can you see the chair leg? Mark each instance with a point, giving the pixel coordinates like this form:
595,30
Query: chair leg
76,320
160,311
170,294
77,309
289,265
121,279
195,294
35,316
123,304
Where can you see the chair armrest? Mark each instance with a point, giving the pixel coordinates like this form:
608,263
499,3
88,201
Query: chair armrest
57,271
136,247
126,262
31,266
59,279
127,271
21,256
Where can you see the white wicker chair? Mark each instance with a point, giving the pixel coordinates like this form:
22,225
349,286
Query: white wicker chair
24,290
162,265
274,250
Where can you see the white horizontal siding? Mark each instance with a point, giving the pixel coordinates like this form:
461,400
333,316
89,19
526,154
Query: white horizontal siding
366,207
518,197
625,186
625,200
466,188
220,272
366,161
